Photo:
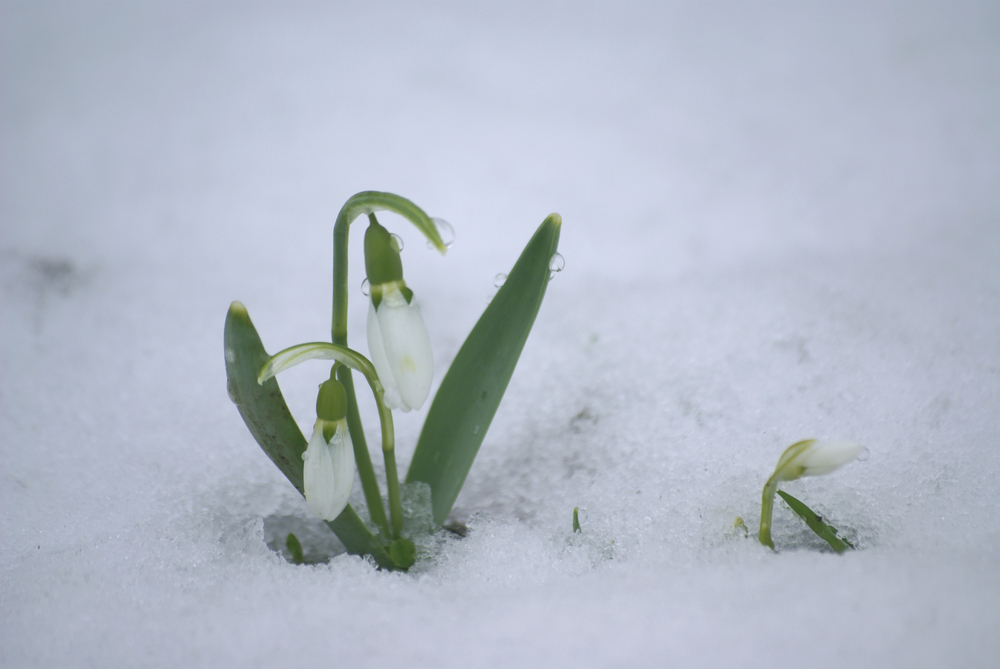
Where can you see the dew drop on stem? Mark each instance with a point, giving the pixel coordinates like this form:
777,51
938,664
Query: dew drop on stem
499,279
365,288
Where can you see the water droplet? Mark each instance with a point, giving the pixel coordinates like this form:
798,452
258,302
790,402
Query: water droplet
230,355
397,242
581,514
231,389
445,231
475,430
499,279
864,454
365,287
556,264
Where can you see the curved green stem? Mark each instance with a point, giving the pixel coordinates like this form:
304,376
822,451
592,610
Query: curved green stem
766,507
319,350
349,360
368,202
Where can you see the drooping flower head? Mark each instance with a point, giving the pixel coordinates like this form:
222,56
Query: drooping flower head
328,470
809,458
397,339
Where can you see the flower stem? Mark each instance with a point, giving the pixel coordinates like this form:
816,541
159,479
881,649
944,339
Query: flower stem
391,475
395,503
366,472
766,507
368,202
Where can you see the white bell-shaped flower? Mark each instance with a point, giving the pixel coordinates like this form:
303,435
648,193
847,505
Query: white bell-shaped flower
400,349
328,470
809,458
397,339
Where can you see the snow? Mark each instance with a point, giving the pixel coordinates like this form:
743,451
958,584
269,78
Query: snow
781,221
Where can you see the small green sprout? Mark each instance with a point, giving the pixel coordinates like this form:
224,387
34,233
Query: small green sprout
804,458
576,519
294,547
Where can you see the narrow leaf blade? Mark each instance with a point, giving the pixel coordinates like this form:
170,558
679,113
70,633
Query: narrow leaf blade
826,532
471,391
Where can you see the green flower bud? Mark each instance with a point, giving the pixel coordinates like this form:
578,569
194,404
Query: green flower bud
382,261
331,406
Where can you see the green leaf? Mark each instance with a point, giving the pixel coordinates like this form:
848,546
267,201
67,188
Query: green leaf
294,547
475,383
576,519
826,532
262,406
264,411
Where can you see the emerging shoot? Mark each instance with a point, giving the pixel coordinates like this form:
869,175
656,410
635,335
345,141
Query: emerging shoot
804,458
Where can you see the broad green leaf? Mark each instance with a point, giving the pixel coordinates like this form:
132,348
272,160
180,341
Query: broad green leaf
475,383
826,532
264,411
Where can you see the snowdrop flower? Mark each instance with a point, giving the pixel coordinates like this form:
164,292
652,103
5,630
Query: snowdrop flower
328,472
398,343
805,458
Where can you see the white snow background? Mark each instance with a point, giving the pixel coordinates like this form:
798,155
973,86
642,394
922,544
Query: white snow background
781,221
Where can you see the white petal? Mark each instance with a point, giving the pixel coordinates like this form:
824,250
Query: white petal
376,349
828,457
342,454
407,349
328,471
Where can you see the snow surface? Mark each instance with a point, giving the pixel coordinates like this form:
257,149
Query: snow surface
781,221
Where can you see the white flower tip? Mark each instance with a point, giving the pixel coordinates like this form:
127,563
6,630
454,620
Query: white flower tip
824,458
